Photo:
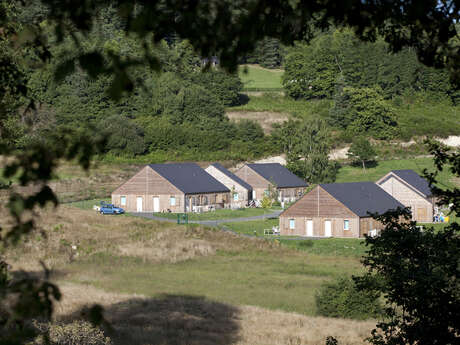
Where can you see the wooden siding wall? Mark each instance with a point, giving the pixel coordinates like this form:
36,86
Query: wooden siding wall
147,202
319,206
422,209
290,193
257,182
368,223
319,226
318,203
243,193
260,184
219,200
148,184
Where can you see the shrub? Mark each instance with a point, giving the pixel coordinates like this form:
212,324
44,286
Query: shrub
340,298
75,333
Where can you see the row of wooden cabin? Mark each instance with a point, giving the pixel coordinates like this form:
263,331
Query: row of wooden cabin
338,209
185,187
345,209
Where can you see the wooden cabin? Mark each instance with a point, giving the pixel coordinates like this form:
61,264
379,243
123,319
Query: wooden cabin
411,190
178,187
261,176
241,192
337,210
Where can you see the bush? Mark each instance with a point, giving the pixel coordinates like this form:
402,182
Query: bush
340,298
75,333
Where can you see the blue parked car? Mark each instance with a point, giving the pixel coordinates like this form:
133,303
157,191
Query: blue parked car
110,209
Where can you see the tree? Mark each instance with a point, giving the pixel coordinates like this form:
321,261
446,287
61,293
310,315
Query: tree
362,150
364,111
417,271
428,26
308,157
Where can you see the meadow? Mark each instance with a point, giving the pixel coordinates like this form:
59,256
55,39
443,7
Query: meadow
256,78
137,267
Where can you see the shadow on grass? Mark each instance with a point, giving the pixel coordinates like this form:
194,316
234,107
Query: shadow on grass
170,320
243,99
369,164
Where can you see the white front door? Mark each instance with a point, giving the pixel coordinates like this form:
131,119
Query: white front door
139,204
327,228
309,228
156,204
253,195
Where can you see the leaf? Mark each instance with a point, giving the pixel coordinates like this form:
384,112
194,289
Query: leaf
92,63
64,69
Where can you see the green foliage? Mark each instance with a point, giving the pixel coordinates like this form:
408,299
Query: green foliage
361,150
417,271
124,136
313,70
77,332
363,111
269,53
225,86
310,72
340,298
307,144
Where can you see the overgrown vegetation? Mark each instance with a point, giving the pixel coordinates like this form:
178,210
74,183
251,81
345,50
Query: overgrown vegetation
341,298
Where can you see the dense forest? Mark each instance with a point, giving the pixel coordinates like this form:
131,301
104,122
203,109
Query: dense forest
177,111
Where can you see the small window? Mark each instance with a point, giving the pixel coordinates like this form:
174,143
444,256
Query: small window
292,224
266,192
346,224
123,201
172,201
205,200
235,197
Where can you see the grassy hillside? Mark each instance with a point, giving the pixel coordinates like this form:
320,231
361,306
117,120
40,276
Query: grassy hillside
417,115
355,173
136,256
154,278
256,78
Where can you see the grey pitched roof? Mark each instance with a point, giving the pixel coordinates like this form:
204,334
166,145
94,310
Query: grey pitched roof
229,174
362,197
277,173
414,179
189,178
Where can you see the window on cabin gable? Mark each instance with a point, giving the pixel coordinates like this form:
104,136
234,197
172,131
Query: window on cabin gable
123,200
172,201
346,224
292,224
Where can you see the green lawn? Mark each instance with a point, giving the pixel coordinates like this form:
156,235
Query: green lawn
287,282
256,78
282,104
355,173
88,204
255,227
346,247
221,214
428,118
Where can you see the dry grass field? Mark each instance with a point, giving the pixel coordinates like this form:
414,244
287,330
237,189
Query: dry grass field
73,183
166,284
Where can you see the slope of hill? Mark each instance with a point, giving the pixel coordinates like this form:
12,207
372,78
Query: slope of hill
207,285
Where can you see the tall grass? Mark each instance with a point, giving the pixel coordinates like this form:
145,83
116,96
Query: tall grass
282,104
256,78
